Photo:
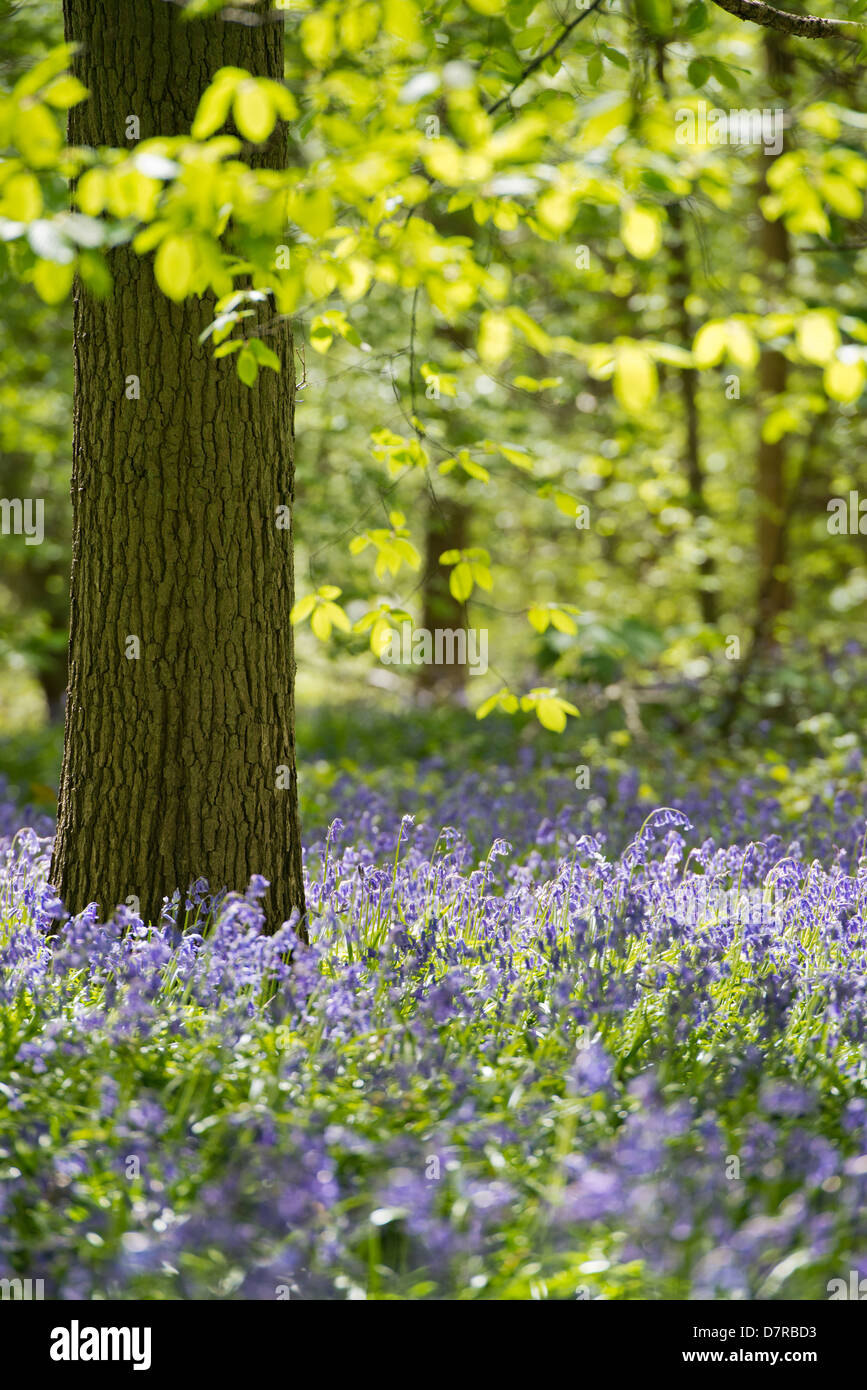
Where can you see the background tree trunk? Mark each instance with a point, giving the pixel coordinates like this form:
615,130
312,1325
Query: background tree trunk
774,589
680,288
446,528
170,767
40,584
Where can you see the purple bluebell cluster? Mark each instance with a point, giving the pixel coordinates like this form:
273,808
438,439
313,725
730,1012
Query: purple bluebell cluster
531,1062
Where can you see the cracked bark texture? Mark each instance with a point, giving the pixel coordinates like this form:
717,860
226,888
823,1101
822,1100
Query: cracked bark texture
785,22
170,767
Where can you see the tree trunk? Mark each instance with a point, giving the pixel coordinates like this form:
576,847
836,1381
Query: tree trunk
445,529
773,591
178,762
679,283
39,582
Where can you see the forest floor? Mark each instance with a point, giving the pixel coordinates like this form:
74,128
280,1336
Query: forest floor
549,1041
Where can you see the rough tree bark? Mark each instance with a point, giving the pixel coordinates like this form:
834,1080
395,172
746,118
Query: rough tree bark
170,767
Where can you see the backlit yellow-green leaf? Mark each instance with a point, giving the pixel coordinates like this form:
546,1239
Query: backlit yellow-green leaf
254,111
401,18
64,92
335,615
91,191
52,280
518,457
635,380
22,198
817,337
321,624
487,706
495,336
556,210
247,367
844,381
358,25
444,161
742,346
461,581
841,195
551,715
175,266
566,504
380,635
710,343
641,231
317,37
213,108
563,622
302,609
36,131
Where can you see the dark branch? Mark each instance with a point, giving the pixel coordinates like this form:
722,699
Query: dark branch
803,26
537,62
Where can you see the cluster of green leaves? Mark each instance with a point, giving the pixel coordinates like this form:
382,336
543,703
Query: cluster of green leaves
448,213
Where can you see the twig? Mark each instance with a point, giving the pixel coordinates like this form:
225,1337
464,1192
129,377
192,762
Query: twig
537,62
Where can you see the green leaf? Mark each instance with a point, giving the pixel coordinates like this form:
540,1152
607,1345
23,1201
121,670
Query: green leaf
562,622
698,71
302,609
817,337
635,380
264,355
517,456
318,37
461,581
487,706
696,18
53,281
710,343
641,231
495,336
175,266
65,91
253,110
213,107
844,381
321,623
248,367
551,715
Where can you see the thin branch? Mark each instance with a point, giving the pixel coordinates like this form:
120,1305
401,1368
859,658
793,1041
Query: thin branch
537,62
412,361
802,26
